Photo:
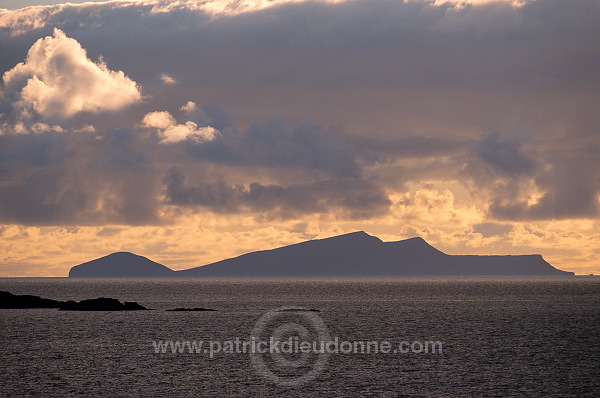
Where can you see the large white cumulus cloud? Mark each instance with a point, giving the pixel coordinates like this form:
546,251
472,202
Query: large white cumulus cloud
58,80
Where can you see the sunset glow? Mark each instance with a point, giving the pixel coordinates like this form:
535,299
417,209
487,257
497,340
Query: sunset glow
193,131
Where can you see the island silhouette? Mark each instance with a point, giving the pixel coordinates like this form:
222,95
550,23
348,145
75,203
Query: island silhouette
355,254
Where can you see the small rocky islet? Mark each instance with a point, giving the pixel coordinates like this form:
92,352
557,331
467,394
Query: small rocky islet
14,301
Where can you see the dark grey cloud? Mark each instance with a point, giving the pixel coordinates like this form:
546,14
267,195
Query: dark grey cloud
76,178
344,196
571,189
273,144
32,150
383,150
121,176
504,156
498,166
562,184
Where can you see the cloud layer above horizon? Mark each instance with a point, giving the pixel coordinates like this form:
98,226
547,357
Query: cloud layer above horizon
473,124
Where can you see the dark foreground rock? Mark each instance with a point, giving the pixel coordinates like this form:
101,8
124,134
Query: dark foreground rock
101,304
9,300
192,309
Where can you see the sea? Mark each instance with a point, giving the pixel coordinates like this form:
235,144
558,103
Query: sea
401,337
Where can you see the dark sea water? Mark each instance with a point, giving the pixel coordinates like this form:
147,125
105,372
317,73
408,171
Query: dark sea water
500,337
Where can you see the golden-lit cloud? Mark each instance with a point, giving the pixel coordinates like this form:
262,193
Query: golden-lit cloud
170,131
58,80
166,79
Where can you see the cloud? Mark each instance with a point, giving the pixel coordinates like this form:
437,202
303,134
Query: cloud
171,132
71,178
570,189
427,205
159,120
166,79
57,81
189,107
504,156
489,229
349,197
560,185
273,144
117,176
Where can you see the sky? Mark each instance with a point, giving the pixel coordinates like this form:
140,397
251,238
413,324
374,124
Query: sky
192,131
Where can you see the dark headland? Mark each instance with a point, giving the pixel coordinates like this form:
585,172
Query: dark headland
355,254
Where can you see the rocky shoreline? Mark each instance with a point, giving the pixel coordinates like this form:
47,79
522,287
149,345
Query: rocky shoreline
14,301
